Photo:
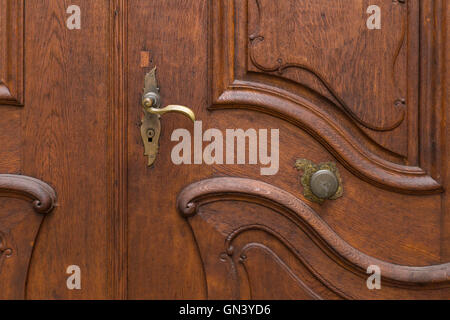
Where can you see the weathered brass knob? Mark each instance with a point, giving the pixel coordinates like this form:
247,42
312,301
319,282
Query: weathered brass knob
324,184
320,181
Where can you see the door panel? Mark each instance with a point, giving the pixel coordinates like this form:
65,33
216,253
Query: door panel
57,131
165,251
371,103
66,142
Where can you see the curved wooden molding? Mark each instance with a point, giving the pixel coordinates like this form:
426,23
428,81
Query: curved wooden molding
281,264
42,195
346,148
220,189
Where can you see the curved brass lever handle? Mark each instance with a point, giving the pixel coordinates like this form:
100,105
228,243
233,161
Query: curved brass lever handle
174,108
151,126
151,99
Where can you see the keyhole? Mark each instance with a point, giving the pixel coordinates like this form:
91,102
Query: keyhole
150,135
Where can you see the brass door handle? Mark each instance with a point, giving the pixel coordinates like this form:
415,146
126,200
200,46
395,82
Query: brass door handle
150,103
151,125
174,108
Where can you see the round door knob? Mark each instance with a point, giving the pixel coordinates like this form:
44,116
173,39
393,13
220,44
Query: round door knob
324,184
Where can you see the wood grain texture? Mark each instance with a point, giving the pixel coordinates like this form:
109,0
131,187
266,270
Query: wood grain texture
11,52
215,190
65,127
233,86
11,140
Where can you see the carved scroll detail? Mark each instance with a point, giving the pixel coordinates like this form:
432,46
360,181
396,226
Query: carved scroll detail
220,189
244,260
5,249
42,195
230,251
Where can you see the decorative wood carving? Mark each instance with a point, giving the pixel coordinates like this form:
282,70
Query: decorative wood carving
19,228
11,52
43,196
360,43
5,249
298,289
222,210
246,75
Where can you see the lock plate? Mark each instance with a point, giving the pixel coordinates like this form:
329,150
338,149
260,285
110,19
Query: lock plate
150,132
151,125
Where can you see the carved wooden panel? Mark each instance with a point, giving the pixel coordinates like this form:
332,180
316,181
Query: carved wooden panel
19,227
364,72
11,52
252,235
318,66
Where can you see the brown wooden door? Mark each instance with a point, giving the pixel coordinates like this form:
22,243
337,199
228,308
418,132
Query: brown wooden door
356,87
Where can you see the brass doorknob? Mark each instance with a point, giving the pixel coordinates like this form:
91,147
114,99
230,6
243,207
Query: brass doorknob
321,181
324,184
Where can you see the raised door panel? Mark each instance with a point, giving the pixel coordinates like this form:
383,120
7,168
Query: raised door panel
318,66
329,49
11,52
11,83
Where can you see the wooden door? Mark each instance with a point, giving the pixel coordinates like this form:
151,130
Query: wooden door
355,87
